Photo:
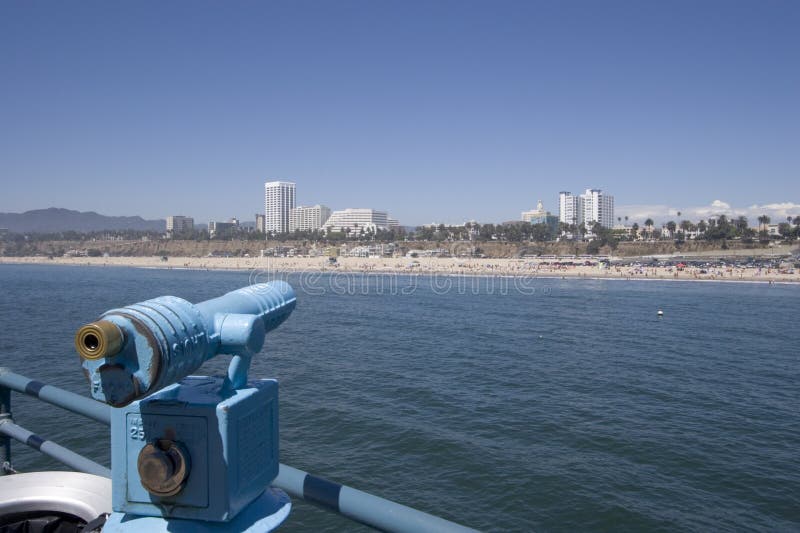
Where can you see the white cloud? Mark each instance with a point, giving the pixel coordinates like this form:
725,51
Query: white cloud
639,213
662,213
778,211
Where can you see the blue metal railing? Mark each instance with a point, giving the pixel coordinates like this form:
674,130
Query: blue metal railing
357,505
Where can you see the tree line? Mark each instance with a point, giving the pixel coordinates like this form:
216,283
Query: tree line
719,228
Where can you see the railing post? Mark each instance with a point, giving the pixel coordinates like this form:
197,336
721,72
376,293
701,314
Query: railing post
5,442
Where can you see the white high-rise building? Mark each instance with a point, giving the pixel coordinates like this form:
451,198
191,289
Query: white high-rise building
587,208
597,207
569,211
357,219
308,218
279,198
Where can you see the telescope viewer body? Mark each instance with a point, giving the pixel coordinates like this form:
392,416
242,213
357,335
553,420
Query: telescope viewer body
189,448
195,453
141,348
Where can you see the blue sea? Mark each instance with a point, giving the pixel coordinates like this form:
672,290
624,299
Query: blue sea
543,404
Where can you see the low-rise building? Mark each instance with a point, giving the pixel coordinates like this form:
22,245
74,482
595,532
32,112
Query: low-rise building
534,214
223,229
541,216
353,221
279,251
372,250
437,252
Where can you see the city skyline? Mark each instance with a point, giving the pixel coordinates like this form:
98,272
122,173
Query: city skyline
629,214
635,213
659,213
434,113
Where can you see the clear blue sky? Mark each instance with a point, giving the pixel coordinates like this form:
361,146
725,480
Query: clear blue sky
434,111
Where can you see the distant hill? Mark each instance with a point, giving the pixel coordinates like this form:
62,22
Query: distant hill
55,219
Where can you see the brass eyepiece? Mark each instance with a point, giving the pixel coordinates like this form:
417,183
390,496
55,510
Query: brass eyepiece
98,339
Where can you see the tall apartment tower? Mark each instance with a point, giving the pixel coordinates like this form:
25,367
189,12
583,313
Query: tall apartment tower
598,207
279,200
569,211
590,207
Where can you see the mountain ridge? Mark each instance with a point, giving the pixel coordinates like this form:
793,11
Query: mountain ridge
58,219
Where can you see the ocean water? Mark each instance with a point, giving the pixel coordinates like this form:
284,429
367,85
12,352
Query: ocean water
546,404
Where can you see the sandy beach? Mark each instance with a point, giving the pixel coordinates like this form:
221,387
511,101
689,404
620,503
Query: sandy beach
437,266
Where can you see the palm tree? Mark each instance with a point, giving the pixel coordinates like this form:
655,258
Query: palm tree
635,230
686,226
796,220
763,221
741,223
671,227
649,225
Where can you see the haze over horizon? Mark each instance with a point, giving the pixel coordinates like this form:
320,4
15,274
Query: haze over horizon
440,112
659,213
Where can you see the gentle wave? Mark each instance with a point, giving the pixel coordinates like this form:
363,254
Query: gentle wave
574,408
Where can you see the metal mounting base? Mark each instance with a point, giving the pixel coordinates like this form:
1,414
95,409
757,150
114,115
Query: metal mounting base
266,513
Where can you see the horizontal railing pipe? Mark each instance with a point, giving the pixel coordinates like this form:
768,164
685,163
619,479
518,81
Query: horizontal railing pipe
59,397
355,504
359,506
51,449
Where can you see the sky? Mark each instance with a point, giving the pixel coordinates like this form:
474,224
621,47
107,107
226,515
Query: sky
436,111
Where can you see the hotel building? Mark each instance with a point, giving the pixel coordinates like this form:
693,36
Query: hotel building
308,218
356,219
540,216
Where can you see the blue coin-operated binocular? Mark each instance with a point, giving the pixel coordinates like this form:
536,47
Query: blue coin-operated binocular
186,447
